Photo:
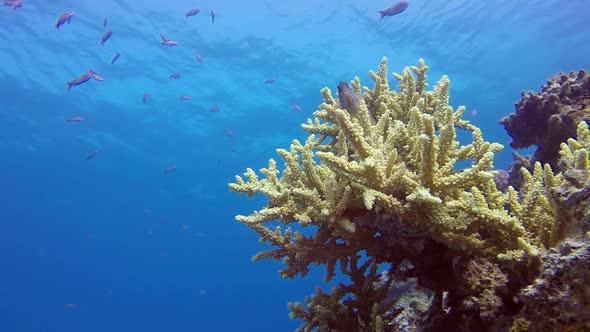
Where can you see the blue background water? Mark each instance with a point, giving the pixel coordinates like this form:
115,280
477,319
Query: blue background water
112,243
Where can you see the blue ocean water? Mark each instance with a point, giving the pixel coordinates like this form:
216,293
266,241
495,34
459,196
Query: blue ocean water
115,244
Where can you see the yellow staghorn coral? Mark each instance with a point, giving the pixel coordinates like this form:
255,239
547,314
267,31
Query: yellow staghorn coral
398,155
383,178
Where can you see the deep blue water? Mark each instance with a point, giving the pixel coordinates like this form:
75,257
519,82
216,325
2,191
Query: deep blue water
113,243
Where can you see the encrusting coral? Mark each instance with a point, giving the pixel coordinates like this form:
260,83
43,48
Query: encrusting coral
380,178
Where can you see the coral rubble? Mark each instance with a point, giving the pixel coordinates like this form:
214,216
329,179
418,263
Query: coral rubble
381,181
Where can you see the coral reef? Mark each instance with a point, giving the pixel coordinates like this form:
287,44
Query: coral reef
549,118
379,178
560,296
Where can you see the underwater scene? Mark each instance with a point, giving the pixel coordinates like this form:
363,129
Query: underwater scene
294,166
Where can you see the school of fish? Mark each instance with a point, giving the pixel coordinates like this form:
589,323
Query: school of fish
348,99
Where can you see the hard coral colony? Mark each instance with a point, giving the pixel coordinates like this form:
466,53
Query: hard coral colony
383,187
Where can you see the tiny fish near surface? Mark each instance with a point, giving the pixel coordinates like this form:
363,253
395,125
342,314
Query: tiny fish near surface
215,109
198,56
146,97
167,42
104,23
212,16
296,108
77,81
13,3
91,155
96,76
270,81
170,169
185,98
393,10
106,37
75,119
63,19
175,76
115,57
192,12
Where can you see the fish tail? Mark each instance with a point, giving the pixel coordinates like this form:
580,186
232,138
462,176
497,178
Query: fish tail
381,14
69,86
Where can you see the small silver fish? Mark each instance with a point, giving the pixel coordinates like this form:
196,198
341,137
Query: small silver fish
63,19
168,42
76,118
393,10
192,12
185,98
296,107
13,3
169,169
77,81
198,56
96,76
146,97
115,57
91,155
106,37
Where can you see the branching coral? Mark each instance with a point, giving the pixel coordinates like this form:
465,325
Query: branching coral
382,177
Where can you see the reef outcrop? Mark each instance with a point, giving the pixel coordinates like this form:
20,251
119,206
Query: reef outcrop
548,118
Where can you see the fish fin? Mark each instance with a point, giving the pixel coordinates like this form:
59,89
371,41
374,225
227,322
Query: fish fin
69,20
163,37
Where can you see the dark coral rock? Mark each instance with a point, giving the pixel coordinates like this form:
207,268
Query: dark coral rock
574,200
501,179
559,299
484,281
515,173
549,118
